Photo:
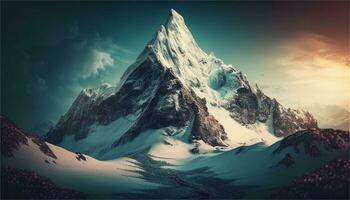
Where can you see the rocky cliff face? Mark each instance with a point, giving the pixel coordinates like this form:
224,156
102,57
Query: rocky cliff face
172,84
252,105
174,105
158,98
81,115
288,121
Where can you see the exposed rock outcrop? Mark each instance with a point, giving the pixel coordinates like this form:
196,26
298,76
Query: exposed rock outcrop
328,182
24,184
12,138
306,139
252,105
174,105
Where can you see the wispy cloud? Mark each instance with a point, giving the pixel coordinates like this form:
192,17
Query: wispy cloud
316,54
98,60
314,71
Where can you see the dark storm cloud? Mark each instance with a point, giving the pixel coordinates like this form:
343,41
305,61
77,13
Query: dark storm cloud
51,51
82,57
57,71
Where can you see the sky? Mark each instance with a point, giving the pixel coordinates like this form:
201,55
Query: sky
297,52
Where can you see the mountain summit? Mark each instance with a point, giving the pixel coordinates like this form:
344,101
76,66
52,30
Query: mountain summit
177,94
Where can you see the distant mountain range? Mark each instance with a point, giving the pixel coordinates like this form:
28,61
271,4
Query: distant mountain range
331,116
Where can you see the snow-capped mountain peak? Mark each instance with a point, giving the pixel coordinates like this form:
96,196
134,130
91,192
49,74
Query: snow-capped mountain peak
175,47
176,89
173,15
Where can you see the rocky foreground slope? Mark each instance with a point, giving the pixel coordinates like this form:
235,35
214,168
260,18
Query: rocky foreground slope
330,181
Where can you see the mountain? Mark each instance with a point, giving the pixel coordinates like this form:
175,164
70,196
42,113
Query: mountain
253,171
331,116
175,89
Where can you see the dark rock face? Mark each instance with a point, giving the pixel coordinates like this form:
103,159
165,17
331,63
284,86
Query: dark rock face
288,121
43,147
12,137
247,103
310,140
134,96
205,126
156,95
24,184
81,115
175,105
328,182
80,157
250,106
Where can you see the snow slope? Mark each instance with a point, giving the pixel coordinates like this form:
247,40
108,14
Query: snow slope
98,177
100,137
70,170
270,167
239,135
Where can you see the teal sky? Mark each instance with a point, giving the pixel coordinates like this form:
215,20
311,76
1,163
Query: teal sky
52,50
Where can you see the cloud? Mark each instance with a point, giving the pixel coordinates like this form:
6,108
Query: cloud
84,57
98,61
312,52
58,71
315,70
276,89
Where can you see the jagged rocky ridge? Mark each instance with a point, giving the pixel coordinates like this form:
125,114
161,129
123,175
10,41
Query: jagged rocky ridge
172,84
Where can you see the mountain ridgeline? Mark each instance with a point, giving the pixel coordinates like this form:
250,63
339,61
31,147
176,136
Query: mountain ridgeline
173,84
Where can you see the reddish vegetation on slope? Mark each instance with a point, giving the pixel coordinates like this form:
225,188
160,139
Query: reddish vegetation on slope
12,137
328,182
334,139
24,184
